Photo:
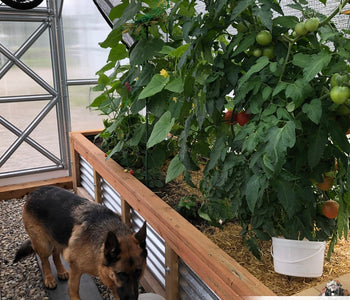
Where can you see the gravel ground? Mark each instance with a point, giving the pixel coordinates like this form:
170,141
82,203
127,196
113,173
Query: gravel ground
23,280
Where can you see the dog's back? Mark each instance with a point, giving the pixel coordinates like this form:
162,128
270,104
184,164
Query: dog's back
59,211
53,208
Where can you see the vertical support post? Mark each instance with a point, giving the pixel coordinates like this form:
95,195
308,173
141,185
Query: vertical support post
59,73
97,187
126,216
75,167
171,274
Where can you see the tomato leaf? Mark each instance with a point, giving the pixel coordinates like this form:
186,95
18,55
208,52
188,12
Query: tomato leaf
339,137
287,196
255,187
279,139
179,51
144,50
218,152
128,13
175,168
312,64
316,147
118,52
161,129
286,21
245,43
157,84
298,91
261,63
113,38
117,11
318,62
265,14
313,110
240,6
176,85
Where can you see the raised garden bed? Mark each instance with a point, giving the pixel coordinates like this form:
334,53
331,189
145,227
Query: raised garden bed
183,262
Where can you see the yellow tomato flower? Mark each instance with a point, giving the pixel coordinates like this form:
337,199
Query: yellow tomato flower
175,99
164,73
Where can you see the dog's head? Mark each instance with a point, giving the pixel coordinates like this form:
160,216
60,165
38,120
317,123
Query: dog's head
124,263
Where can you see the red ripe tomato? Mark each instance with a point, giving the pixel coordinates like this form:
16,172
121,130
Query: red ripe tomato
243,118
326,184
330,209
127,85
228,116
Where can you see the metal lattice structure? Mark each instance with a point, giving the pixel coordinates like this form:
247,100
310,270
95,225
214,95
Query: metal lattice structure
53,95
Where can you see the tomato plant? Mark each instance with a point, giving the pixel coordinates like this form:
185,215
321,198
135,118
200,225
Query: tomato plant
258,173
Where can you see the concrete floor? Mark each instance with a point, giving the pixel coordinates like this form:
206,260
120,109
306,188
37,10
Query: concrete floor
317,290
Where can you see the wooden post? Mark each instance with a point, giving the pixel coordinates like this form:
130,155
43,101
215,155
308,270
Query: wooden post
97,187
171,274
126,215
75,161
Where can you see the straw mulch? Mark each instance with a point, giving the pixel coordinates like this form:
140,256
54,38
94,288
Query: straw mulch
229,239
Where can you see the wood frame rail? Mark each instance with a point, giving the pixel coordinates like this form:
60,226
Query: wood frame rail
226,277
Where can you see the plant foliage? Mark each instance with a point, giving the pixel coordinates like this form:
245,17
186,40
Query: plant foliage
188,66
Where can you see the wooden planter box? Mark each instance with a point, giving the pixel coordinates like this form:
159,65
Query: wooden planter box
183,263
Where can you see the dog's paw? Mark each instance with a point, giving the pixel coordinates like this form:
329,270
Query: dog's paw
50,282
63,275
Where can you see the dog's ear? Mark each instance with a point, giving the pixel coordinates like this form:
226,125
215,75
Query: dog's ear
112,248
141,236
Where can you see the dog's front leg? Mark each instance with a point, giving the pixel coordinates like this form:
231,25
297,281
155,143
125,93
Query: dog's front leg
115,294
74,282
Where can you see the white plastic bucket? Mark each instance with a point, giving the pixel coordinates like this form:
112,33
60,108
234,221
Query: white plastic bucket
298,258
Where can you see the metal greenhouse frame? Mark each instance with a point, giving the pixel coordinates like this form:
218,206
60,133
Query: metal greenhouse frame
47,19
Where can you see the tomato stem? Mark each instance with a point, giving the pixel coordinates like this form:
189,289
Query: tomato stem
334,13
290,44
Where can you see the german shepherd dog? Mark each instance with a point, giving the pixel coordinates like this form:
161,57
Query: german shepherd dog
91,238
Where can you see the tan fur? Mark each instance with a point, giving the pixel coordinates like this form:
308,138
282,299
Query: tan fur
45,246
83,255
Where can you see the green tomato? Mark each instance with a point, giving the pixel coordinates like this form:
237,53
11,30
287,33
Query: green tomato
257,52
336,79
263,38
300,28
312,24
339,94
268,52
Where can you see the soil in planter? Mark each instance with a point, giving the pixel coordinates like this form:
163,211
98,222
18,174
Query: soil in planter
229,239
